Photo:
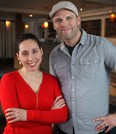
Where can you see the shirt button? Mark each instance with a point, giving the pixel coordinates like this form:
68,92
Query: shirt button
73,89
73,77
73,102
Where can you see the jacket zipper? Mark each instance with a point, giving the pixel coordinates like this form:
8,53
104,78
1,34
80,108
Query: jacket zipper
36,99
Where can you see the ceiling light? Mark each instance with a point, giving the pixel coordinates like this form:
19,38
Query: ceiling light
26,26
81,9
112,14
30,15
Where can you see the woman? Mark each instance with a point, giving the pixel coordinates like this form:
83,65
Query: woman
31,100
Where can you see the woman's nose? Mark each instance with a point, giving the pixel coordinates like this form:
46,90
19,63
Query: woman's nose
30,57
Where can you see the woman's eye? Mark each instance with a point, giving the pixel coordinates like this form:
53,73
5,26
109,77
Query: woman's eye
24,53
35,51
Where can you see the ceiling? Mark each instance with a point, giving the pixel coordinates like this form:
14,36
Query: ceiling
41,8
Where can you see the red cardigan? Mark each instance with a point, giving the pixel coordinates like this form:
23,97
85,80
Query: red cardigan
15,92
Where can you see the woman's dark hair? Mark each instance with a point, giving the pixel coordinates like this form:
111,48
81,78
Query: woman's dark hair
24,37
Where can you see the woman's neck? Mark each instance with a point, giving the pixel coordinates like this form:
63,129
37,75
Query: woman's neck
32,74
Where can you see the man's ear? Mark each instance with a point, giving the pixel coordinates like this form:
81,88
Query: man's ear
78,20
54,26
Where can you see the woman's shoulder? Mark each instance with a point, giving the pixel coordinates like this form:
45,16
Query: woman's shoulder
49,76
10,74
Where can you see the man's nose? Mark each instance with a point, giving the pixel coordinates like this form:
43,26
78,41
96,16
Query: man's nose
64,23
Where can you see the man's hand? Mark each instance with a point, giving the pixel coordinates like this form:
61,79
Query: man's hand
107,123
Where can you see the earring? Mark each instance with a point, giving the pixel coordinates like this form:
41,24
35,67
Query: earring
20,63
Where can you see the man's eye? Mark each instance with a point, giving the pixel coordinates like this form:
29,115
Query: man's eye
69,18
58,20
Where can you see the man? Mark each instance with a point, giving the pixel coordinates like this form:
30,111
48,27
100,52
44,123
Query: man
82,63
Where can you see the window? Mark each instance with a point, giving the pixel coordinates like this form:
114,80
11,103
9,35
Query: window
110,30
92,26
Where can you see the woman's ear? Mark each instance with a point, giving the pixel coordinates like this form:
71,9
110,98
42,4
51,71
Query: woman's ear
17,55
41,51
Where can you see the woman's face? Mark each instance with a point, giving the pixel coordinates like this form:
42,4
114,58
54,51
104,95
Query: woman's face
30,55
